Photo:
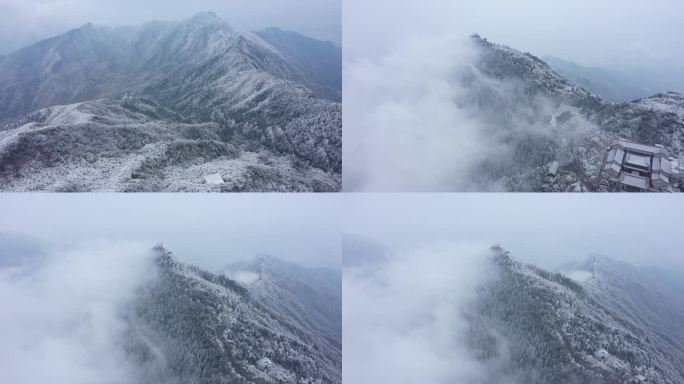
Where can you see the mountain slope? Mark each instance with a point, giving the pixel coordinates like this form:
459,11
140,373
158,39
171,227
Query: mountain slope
533,117
311,297
189,325
538,117
137,145
502,62
646,297
658,119
556,330
322,61
199,71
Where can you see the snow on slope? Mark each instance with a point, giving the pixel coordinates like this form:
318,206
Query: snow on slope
189,325
668,102
556,330
294,291
653,120
199,75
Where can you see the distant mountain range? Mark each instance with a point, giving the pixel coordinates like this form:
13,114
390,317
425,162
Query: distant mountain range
160,106
614,86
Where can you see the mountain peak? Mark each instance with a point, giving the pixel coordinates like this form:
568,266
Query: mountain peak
207,17
273,29
207,21
501,255
86,29
264,258
162,256
479,40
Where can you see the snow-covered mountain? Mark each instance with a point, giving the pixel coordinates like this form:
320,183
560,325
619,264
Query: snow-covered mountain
486,318
535,117
193,98
310,297
191,326
613,327
649,297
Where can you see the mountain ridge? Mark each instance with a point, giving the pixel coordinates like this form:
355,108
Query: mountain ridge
294,290
209,329
200,70
559,330
542,118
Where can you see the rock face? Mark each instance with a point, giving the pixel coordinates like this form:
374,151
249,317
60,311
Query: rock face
543,327
233,103
192,326
538,117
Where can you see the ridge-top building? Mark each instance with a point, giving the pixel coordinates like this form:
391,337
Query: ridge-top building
629,166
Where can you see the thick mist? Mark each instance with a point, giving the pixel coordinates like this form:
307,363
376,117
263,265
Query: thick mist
429,297
402,127
63,317
424,118
407,320
419,117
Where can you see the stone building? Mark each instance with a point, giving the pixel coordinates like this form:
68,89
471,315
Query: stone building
629,166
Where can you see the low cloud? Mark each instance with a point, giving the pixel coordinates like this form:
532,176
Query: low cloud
402,128
63,319
424,118
407,322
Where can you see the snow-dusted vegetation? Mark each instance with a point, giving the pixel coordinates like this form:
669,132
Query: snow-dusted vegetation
545,327
112,312
461,313
479,116
159,106
211,329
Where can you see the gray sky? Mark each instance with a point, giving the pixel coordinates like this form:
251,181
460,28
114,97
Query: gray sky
23,22
545,229
615,34
205,229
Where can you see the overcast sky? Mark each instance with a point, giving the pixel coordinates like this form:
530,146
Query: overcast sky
204,229
609,33
544,229
23,22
